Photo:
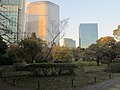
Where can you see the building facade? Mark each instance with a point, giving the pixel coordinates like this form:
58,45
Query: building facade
88,34
12,20
67,42
43,19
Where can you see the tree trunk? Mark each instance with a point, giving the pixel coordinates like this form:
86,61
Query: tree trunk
48,53
98,62
32,60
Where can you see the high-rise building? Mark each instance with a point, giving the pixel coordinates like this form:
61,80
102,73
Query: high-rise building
88,34
12,14
43,19
67,42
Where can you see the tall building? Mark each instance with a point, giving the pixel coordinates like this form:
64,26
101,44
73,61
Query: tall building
12,20
43,19
69,43
88,34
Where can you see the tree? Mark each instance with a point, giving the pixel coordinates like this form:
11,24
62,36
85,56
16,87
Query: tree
106,41
116,33
42,55
56,33
78,53
62,53
31,47
15,54
94,52
102,51
109,45
117,51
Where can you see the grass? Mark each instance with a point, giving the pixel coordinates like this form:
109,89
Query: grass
46,83
85,76
95,68
89,75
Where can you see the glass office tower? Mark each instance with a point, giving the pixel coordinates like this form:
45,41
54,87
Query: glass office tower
88,34
69,43
12,20
43,19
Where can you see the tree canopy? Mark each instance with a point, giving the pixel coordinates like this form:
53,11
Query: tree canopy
116,33
31,46
62,53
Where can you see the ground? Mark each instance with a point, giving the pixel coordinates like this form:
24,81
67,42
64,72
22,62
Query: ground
5,86
113,84
106,84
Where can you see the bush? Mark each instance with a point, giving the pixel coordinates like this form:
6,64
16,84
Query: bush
116,60
4,60
86,63
58,61
19,66
51,69
104,61
113,68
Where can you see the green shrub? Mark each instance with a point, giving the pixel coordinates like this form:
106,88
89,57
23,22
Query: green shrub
51,69
19,66
116,60
86,63
58,61
113,68
5,60
104,61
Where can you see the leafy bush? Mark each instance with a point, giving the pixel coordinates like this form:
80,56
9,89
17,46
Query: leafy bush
104,61
51,69
58,61
113,68
116,60
19,66
4,60
86,63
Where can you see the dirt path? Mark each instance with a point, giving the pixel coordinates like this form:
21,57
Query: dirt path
113,84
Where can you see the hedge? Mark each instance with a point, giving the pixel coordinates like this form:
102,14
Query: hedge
51,69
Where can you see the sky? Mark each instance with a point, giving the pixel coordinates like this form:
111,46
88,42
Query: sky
104,12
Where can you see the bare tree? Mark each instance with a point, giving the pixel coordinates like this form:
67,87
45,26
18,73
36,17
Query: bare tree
56,33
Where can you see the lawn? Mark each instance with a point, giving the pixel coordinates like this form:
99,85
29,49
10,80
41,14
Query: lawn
95,68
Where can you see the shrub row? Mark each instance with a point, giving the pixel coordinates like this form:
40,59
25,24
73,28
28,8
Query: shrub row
86,63
49,69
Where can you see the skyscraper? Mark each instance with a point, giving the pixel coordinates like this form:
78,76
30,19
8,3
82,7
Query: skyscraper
12,14
88,34
43,19
69,43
